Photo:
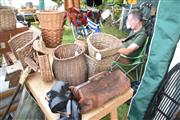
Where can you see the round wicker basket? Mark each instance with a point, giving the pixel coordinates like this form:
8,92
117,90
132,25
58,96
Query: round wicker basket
7,19
52,38
51,20
69,64
104,44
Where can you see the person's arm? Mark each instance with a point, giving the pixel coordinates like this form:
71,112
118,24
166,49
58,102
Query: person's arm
131,48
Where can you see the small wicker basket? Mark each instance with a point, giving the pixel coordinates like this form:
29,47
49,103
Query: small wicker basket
96,66
69,64
52,38
104,44
20,40
51,20
7,19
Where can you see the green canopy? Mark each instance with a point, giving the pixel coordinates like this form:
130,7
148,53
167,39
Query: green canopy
163,43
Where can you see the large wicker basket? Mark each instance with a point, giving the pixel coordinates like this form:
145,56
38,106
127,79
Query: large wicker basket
52,38
7,19
69,64
96,66
51,20
103,44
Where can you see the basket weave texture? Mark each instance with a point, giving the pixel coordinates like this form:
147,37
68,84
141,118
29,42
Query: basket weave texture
20,40
45,69
7,19
51,20
21,46
103,43
69,64
96,66
52,38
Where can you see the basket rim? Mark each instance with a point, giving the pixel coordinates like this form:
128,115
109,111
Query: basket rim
89,43
17,35
63,59
49,11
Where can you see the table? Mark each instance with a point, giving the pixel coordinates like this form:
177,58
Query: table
39,88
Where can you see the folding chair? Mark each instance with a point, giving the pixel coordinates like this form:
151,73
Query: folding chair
165,104
135,67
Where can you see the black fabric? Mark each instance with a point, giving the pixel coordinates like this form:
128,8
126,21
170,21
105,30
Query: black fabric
91,3
61,99
74,110
58,96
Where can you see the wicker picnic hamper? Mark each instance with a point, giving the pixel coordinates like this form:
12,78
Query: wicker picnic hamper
104,44
96,66
51,20
20,40
52,38
69,64
7,19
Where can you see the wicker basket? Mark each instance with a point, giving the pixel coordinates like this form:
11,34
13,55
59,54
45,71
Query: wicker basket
7,19
52,38
25,51
69,64
20,40
96,66
103,43
82,42
51,20
45,69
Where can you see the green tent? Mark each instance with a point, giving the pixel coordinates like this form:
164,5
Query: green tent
163,43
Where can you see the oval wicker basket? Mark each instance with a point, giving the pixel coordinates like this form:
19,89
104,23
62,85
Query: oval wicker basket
51,20
7,19
69,64
103,43
52,38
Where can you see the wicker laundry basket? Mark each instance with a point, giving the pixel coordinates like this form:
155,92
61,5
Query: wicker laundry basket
96,66
7,19
69,64
52,38
103,44
51,20
20,40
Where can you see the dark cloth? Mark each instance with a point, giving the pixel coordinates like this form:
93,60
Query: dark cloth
92,3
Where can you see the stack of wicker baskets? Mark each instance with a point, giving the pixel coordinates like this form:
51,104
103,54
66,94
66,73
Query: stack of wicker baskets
7,19
102,50
51,24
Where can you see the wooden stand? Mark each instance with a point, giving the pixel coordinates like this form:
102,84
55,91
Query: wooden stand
39,88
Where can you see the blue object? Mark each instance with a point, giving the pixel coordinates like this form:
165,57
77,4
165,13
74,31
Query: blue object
41,5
